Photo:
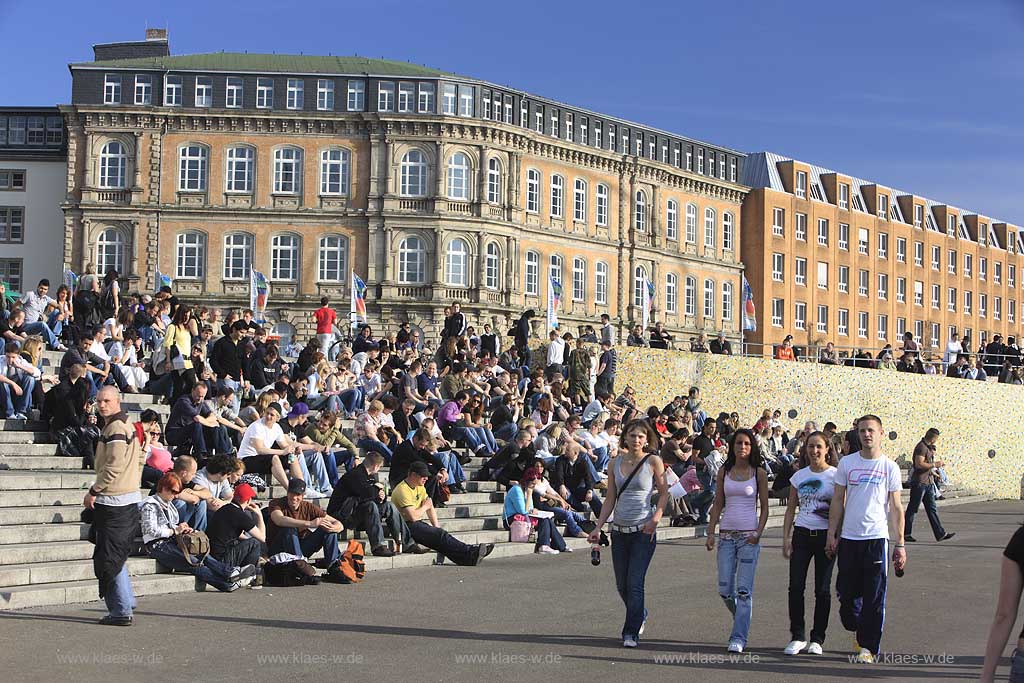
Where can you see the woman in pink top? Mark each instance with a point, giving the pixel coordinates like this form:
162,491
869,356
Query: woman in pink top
741,488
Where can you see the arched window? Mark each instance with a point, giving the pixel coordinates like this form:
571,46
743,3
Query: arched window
691,224
639,282
492,266
284,257
727,301
727,232
690,294
192,168
579,279
533,190
458,176
287,170
110,251
532,274
602,204
237,255
710,220
332,258
640,211
191,255
672,220
671,293
494,181
557,196
601,283
709,298
456,265
579,201
113,161
414,174
555,268
240,169
412,257
334,171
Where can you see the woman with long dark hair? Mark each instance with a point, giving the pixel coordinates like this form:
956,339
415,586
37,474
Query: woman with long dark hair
811,488
632,479
178,346
742,487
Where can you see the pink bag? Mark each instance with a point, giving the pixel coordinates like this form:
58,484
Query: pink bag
160,458
519,529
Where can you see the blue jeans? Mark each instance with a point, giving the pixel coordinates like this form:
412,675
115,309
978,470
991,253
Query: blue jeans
547,534
922,493
1017,667
601,465
631,556
469,436
44,331
120,599
210,570
571,518
577,498
376,447
17,404
316,463
56,325
456,474
506,432
288,541
486,438
737,562
193,514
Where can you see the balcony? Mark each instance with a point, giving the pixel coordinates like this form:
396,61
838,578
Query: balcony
459,208
417,292
414,205
114,196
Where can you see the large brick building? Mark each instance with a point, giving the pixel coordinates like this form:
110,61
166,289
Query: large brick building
834,258
433,187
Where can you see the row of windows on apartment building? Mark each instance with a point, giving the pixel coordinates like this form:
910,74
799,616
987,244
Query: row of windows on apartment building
842,323
455,100
17,130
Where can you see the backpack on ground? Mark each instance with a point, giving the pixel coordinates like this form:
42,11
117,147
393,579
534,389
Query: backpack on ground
351,568
286,574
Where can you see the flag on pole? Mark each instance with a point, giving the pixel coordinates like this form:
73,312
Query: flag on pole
259,292
358,311
648,303
749,314
161,280
71,280
554,302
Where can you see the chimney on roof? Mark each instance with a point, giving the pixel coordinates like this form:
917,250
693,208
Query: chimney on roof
155,45
156,34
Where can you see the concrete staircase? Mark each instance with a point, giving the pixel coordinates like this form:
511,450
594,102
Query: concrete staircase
45,558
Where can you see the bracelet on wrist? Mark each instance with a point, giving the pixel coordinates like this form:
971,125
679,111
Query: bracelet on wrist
900,545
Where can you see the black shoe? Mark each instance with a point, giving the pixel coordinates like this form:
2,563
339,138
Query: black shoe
110,620
482,551
948,536
416,549
457,488
910,539
244,572
465,459
383,551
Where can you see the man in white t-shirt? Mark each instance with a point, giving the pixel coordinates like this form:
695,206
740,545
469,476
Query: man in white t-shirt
865,505
259,448
953,349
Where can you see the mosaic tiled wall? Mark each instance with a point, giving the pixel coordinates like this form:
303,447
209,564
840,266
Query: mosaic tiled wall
974,417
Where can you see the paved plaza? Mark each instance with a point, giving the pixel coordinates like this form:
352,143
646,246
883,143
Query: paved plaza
529,618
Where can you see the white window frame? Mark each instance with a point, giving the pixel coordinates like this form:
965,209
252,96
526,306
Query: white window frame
531,274
690,297
843,322
285,257
671,293
822,319
492,266
332,257
728,231
355,95
192,168
672,220
240,162
557,196
425,102
112,89
190,255
709,299
822,232
883,327
579,200
113,166
862,324
413,174
800,189
532,190
778,267
844,236
173,91
727,296
406,97
710,226
800,316
579,279
494,177
238,253
800,271
800,229
295,94
601,283
325,94
335,171
778,221
287,170
843,280
143,90
691,223
459,172
412,260
234,92
456,263
778,312
640,211
204,92
386,96
264,93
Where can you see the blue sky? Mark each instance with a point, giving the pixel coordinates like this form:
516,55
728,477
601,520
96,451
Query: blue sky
923,95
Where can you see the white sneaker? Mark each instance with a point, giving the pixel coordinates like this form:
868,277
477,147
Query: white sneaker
864,656
629,641
796,647
546,550
567,549
814,649
735,646
643,627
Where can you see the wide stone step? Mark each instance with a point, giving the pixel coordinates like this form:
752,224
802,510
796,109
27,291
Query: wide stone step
42,533
57,572
42,514
86,591
45,479
24,436
41,462
27,553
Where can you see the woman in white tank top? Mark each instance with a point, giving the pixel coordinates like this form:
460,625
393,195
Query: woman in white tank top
742,488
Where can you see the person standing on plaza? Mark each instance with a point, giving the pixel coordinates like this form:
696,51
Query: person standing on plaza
324,318
922,478
811,489
741,488
866,503
634,476
606,369
114,499
1011,584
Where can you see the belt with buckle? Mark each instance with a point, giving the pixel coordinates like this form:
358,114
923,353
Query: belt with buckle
627,529
811,532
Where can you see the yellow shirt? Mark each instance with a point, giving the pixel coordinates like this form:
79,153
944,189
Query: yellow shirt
180,337
405,496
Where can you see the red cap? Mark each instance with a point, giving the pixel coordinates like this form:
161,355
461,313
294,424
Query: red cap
243,493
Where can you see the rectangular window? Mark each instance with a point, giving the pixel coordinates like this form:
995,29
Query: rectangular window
584,131
11,272
172,91
936,258
822,318
385,96
778,221
233,92
426,99
844,279
264,93
700,160
778,312
822,275
862,324
951,263
968,301
951,225
112,89
532,273
918,216
1011,310
844,196
325,94
883,206
12,224
12,180
862,282
800,316
406,97
569,127
778,267
54,130
982,268
538,121
883,286
357,95
982,305
144,90
901,290
862,241
997,272
883,245
732,170
901,250
1011,275
597,134
676,156
801,184
936,294
800,272
843,322
36,130
602,205
844,236
968,265
901,327
296,94
17,130
508,109
204,91
951,301
997,307
487,104
467,100
918,254
883,327
822,232
801,227
601,284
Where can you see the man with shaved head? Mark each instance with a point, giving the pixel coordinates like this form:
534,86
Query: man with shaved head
114,500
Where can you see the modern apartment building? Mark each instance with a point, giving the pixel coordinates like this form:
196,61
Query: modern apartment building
831,257
33,181
433,187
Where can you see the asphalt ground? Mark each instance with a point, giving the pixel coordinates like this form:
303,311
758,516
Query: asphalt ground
530,618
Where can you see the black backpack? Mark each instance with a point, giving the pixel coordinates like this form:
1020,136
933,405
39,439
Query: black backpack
106,304
286,574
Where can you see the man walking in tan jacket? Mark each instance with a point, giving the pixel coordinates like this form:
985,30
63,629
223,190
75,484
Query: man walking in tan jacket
114,500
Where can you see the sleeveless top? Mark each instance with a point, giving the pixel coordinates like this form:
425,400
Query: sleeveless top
740,504
633,506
